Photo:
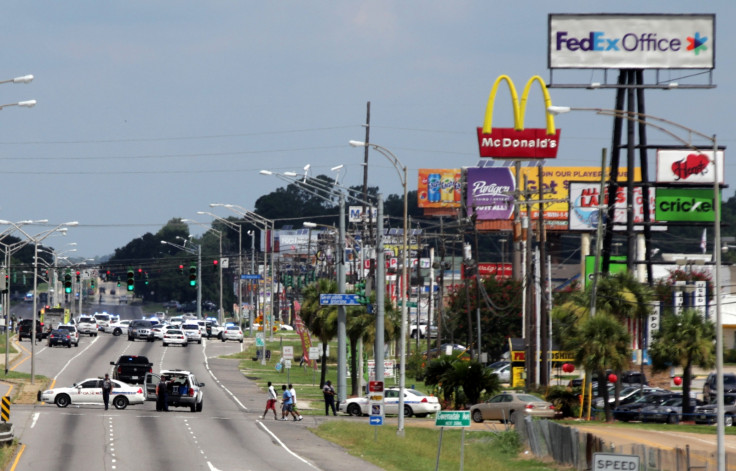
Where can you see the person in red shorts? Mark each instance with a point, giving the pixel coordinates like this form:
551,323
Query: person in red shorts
271,402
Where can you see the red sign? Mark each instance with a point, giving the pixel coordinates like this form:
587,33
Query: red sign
499,270
375,386
532,143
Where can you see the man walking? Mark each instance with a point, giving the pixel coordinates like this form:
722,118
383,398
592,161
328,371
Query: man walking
286,404
162,395
294,408
329,392
106,390
271,402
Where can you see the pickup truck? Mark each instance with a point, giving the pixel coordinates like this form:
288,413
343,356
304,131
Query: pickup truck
131,368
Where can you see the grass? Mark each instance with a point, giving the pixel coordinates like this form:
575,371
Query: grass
378,445
11,349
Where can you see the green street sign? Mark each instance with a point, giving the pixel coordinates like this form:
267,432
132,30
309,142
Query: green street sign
452,418
684,204
408,304
259,340
618,265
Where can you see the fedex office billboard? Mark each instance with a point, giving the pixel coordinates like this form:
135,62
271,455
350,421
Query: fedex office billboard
631,41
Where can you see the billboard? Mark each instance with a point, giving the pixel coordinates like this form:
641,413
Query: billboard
517,142
439,188
490,192
355,213
585,199
687,166
685,204
631,41
617,265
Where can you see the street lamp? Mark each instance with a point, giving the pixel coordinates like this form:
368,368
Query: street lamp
401,170
660,124
220,317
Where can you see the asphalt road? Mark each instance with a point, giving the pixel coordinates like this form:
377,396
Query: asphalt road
226,435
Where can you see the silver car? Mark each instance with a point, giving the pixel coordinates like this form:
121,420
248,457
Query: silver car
502,407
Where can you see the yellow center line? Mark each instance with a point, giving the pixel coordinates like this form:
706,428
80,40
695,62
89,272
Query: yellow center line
17,457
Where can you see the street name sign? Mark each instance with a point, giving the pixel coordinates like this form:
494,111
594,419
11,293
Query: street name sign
338,300
287,352
246,276
452,418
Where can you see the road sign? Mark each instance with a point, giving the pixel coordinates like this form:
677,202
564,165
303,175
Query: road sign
376,420
313,353
259,340
453,418
614,461
375,386
339,300
5,408
246,276
287,352
287,364
388,369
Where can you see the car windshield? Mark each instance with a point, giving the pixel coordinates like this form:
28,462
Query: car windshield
233,327
70,328
190,326
729,380
102,317
528,398
649,399
675,401
174,332
415,392
87,319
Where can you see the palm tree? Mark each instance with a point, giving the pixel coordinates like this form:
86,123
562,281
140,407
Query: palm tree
684,340
320,320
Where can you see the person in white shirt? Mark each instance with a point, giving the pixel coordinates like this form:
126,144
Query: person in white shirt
293,401
271,402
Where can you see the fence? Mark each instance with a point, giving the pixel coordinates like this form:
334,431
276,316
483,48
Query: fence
569,446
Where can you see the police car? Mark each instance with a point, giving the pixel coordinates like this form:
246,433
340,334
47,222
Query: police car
415,403
89,391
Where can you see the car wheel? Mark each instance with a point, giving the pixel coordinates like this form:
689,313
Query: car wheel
407,411
193,408
95,335
422,415
728,421
117,332
164,344
62,400
199,341
120,402
69,345
199,406
354,410
477,416
673,419
241,340
130,339
223,340
186,344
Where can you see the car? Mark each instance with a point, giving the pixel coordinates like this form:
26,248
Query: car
286,327
626,395
131,368
502,407
140,329
191,329
502,370
183,389
59,337
89,391
73,333
415,403
627,378
422,330
213,328
232,332
454,349
709,387
632,410
174,337
87,325
707,414
669,411
172,305
103,319
118,328
158,330
25,327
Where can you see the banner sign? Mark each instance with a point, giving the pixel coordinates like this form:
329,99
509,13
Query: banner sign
490,192
685,204
585,200
687,166
631,41
517,142
499,270
439,188
618,265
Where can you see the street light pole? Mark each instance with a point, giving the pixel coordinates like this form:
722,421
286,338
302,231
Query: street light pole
401,169
660,123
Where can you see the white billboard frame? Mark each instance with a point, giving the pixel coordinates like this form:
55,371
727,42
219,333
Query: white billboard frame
581,220
696,173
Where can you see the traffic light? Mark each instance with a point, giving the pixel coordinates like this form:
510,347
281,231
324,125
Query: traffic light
215,264
146,277
139,274
78,276
92,283
131,280
67,282
193,275
181,269
360,291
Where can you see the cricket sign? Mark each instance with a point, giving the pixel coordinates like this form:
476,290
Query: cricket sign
517,142
685,204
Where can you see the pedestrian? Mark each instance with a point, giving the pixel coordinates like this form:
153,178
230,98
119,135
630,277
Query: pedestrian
329,393
271,402
286,404
292,391
162,395
107,387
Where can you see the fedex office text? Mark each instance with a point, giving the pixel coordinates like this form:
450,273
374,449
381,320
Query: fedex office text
598,41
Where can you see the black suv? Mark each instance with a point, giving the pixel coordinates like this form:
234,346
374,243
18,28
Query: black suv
709,388
25,327
140,330
131,368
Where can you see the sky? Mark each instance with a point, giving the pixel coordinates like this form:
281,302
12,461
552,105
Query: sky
153,110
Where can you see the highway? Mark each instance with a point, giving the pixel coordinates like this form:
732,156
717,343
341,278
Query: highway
226,435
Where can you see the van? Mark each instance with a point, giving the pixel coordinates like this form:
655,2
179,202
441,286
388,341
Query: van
710,388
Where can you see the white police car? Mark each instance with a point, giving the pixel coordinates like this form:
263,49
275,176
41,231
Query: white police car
89,391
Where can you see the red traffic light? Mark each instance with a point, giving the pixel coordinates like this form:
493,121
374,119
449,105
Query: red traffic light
214,262
140,270
78,273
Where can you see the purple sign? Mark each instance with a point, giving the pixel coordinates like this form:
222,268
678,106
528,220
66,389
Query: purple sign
489,193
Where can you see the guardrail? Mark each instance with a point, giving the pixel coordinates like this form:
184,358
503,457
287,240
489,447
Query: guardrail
6,432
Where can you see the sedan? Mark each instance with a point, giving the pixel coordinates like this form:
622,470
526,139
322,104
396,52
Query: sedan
669,411
60,337
707,414
118,328
232,332
89,391
73,333
632,410
174,337
502,406
415,403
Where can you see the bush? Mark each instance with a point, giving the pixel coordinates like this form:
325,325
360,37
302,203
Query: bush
508,442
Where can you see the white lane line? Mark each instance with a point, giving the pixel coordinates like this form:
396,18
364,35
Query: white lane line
212,468
74,357
161,362
35,418
283,445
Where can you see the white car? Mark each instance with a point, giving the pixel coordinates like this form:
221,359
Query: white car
73,333
286,327
415,403
191,329
158,330
232,332
103,320
174,337
89,391
87,325
118,328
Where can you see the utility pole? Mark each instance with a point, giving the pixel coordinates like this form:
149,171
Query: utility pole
543,313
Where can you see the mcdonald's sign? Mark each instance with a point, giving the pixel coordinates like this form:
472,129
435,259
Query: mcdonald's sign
517,142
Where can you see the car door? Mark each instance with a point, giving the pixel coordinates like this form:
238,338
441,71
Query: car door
391,401
87,392
495,407
151,381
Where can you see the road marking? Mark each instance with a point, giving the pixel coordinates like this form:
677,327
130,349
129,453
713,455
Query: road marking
17,458
212,468
73,358
224,388
35,418
284,446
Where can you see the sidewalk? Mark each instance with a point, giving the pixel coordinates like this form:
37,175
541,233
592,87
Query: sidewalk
8,388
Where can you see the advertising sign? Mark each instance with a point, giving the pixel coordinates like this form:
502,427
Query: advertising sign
687,166
439,188
631,41
355,213
499,270
489,192
685,204
517,142
375,388
585,199
618,265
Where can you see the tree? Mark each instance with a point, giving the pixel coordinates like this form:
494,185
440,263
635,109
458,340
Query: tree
320,320
684,340
453,374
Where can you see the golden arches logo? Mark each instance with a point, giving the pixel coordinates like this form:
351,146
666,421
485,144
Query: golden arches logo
518,142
